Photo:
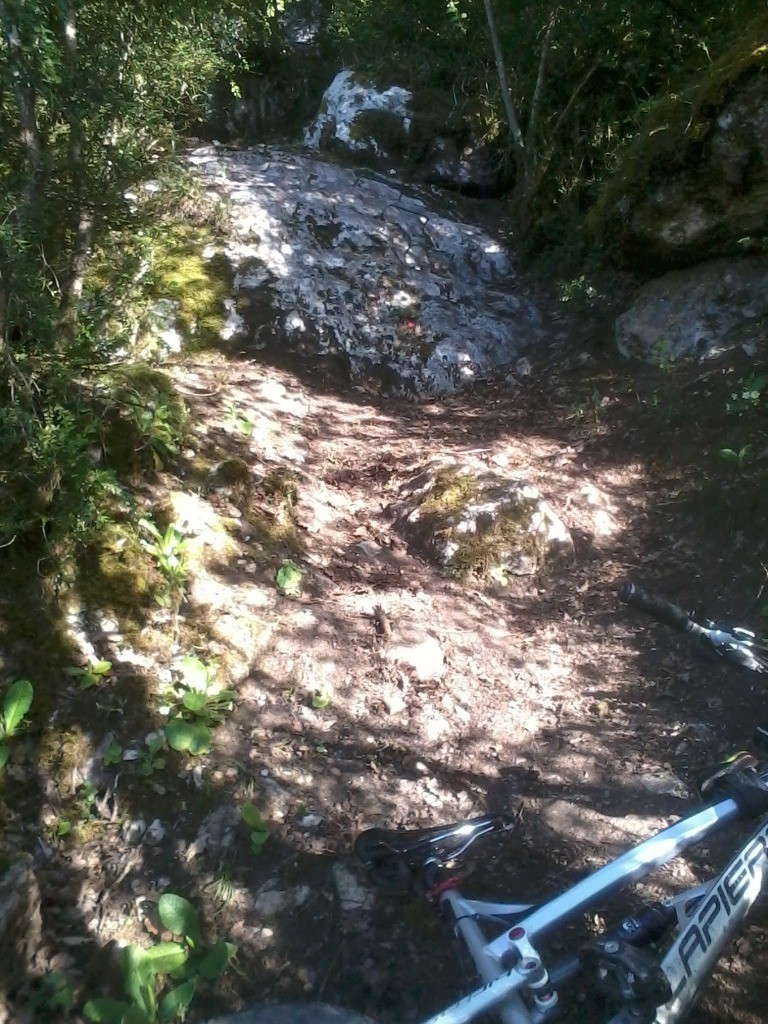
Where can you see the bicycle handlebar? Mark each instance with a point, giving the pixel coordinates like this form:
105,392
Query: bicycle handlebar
731,642
666,612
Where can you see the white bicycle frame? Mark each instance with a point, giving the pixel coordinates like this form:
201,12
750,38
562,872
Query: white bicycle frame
708,917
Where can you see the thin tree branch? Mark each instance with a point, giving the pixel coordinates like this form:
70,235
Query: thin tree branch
574,96
506,95
72,289
533,121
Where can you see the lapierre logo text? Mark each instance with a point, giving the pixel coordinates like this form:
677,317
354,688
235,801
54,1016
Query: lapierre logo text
738,886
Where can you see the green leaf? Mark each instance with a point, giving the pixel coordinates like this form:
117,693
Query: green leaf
179,916
165,957
251,816
215,960
139,978
136,1015
64,827
5,753
192,737
105,1011
194,673
258,838
177,1000
156,743
17,703
194,702
320,700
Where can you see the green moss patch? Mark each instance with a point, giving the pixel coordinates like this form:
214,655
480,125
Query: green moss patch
196,285
116,573
477,524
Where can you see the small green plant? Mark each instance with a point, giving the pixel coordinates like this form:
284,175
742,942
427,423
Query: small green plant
16,704
53,995
61,828
749,395
90,675
112,755
320,700
741,457
157,425
236,420
259,831
194,702
169,552
152,758
80,812
160,980
288,579
663,357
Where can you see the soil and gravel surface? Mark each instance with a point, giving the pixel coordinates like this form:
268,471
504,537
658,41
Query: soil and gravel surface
543,698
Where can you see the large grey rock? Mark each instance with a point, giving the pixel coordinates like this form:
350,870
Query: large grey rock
361,118
335,262
694,312
428,134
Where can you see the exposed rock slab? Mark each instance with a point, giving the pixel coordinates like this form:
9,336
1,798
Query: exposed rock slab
335,262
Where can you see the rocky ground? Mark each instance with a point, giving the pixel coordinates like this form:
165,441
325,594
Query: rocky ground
381,689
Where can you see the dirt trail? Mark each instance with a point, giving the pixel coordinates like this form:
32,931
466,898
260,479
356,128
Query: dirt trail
543,697
387,693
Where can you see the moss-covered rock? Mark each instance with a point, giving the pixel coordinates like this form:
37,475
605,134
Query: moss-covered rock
695,183
475,522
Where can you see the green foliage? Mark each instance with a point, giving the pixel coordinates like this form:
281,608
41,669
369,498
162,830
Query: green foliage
288,579
604,64
711,51
238,421
194,702
152,758
52,996
16,703
259,830
91,674
747,404
91,98
749,396
168,549
160,981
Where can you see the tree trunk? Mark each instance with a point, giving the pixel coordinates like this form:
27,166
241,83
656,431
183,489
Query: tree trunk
25,104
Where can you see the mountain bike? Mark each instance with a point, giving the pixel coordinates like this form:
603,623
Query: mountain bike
648,968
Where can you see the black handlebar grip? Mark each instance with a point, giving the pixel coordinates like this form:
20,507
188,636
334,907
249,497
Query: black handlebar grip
657,607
